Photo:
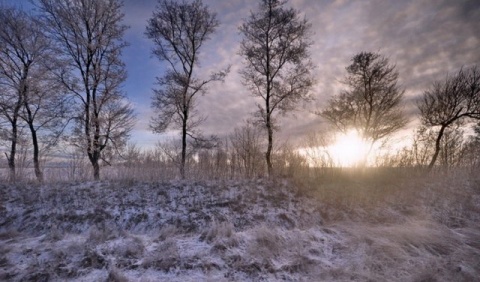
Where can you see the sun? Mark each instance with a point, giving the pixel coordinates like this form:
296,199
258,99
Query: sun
348,150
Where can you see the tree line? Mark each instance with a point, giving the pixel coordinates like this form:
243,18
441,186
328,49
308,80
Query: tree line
61,69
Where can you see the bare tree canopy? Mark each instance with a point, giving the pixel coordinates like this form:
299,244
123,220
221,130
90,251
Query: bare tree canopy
277,63
179,30
454,100
13,74
29,93
372,103
89,34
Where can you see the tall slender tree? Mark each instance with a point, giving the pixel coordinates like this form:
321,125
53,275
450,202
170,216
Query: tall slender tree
25,63
277,63
89,35
12,77
15,62
179,30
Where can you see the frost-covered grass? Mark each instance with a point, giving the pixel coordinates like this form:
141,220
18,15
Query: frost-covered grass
388,227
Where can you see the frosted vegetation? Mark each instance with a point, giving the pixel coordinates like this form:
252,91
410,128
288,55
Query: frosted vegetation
80,203
325,225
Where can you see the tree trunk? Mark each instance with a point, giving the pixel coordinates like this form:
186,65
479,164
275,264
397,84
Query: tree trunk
96,169
184,147
94,158
437,147
36,154
268,155
36,150
13,151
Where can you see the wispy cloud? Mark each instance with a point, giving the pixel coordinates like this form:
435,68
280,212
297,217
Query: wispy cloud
425,39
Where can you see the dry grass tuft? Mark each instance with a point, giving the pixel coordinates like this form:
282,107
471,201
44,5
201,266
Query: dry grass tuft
131,247
115,275
54,235
266,242
168,231
9,234
165,257
217,230
98,235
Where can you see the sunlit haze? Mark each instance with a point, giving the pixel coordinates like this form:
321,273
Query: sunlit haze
343,150
348,150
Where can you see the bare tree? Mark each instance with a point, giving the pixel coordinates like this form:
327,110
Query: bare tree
372,103
452,145
26,53
471,151
46,115
212,163
421,149
452,149
14,68
315,149
278,68
89,34
179,30
246,144
454,100
10,106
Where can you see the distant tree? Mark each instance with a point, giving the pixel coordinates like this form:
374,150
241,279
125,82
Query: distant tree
179,31
25,61
315,149
89,34
246,144
212,163
453,101
421,148
278,68
472,149
452,149
372,103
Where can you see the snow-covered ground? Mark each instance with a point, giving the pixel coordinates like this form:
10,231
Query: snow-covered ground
413,229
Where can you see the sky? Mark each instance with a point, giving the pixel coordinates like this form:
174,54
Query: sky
425,39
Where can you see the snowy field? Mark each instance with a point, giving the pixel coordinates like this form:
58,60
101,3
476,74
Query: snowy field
406,228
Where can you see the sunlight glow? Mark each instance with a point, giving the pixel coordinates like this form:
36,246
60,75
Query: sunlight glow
349,149
346,150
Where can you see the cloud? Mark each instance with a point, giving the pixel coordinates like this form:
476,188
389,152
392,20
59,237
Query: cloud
425,39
